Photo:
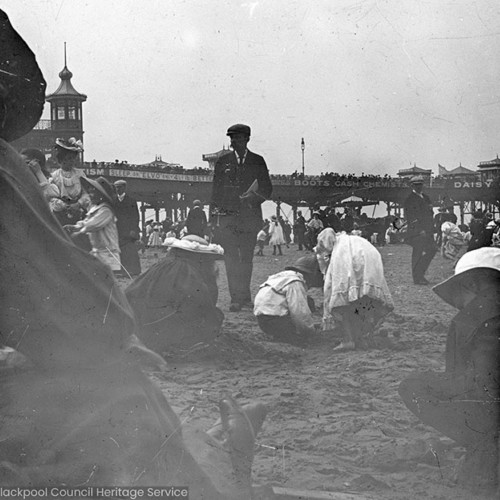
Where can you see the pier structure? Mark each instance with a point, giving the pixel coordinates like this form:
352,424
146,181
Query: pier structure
175,191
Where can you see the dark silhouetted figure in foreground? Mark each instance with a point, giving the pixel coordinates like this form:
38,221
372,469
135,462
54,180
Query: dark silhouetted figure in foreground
463,402
76,407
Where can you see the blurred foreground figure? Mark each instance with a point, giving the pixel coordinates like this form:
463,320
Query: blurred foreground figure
175,300
463,402
355,291
75,407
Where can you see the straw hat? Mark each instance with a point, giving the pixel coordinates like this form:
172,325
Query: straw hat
70,144
101,184
484,260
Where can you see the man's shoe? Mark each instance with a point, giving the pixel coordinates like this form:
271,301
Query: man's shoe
235,307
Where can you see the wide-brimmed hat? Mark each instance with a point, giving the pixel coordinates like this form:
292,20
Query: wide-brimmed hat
417,179
101,184
308,264
70,144
22,86
194,244
484,260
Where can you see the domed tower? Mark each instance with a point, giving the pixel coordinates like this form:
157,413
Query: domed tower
66,107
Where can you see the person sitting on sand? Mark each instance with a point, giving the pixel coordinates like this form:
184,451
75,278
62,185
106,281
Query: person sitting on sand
463,402
175,300
452,240
281,305
355,290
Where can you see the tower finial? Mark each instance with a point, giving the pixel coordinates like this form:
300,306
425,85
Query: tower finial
65,54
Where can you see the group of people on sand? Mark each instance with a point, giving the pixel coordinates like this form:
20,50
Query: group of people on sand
77,406
101,217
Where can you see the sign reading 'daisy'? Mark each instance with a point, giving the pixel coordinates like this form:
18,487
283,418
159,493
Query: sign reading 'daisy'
473,184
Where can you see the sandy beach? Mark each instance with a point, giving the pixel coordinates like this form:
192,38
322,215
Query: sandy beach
335,422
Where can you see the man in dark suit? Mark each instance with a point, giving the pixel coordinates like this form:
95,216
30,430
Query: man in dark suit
241,183
299,230
420,234
196,222
127,215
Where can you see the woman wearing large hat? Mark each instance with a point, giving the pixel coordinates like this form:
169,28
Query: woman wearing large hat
70,205
175,301
100,222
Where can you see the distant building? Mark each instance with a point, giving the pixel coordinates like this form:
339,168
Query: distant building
459,173
66,117
489,169
159,164
407,173
213,157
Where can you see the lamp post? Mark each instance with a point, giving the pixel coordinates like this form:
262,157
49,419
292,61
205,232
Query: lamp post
303,147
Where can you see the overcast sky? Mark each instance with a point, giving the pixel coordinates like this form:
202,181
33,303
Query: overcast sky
373,86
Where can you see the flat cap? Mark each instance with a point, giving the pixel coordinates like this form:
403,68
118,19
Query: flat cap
238,128
120,182
417,179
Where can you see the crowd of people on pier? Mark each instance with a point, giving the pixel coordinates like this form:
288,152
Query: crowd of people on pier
77,405
168,168
323,177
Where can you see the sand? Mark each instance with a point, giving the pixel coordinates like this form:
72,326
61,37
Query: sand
335,422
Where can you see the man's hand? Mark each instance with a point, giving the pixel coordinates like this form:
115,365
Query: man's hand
251,198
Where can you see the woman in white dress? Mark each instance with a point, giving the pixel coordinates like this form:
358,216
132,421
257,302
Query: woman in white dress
276,237
355,291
